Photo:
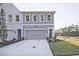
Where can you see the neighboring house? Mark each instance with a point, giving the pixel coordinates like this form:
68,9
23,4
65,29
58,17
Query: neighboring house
32,25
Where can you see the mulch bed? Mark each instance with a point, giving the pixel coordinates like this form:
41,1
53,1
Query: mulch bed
5,43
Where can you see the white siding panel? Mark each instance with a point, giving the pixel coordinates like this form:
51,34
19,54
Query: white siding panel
11,35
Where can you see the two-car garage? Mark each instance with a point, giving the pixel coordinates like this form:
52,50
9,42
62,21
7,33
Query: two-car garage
35,34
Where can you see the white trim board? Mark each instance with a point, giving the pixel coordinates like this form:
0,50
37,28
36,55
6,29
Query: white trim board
37,24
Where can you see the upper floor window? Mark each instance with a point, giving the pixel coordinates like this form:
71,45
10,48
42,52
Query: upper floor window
27,17
0,18
17,17
48,17
42,17
10,17
0,13
0,22
34,17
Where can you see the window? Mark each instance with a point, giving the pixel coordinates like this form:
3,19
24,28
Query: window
0,13
34,17
41,17
17,18
10,17
48,17
27,17
0,22
0,18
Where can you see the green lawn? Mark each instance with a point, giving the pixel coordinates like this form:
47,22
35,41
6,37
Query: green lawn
63,48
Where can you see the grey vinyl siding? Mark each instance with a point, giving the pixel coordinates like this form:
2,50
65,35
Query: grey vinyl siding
38,22
38,26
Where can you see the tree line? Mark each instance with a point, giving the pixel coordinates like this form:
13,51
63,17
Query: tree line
72,30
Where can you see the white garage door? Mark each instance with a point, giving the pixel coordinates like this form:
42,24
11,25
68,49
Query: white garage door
35,34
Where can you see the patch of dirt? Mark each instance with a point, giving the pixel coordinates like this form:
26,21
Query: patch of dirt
5,43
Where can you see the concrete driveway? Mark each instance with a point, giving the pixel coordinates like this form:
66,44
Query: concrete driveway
27,48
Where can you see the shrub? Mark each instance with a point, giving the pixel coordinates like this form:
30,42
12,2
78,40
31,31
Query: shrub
22,38
14,39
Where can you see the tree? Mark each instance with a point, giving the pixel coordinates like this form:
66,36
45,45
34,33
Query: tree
72,30
3,30
76,28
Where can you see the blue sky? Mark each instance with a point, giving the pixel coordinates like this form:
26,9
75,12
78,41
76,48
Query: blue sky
66,14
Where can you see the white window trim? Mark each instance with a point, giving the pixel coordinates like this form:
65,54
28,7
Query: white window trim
43,17
25,17
10,19
19,18
36,18
50,18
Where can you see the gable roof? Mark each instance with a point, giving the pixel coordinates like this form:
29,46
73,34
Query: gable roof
34,10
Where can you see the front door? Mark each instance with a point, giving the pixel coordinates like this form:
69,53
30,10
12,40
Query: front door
50,33
19,34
